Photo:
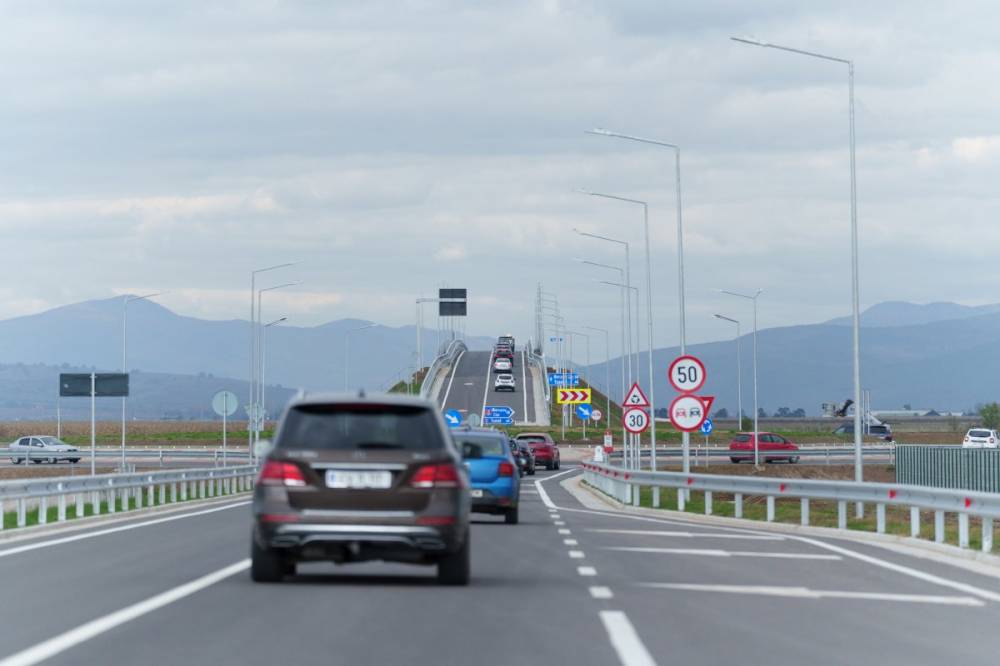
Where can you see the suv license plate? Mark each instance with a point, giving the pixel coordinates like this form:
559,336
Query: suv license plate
475,492
336,478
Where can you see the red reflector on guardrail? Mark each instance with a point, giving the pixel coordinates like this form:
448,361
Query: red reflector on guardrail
892,494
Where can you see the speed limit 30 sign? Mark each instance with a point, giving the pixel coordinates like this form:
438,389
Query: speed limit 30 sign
687,374
635,420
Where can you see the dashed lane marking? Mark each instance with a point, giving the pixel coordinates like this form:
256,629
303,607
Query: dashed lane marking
576,554
600,592
571,542
625,640
586,571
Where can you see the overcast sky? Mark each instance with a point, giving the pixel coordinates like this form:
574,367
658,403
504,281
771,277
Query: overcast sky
392,147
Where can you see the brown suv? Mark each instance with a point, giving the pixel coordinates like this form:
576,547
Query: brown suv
356,478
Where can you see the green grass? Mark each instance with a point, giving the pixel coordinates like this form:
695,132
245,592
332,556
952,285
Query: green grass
821,514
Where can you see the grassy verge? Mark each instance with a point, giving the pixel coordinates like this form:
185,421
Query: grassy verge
821,514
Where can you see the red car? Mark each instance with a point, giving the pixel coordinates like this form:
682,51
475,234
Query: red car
545,449
770,443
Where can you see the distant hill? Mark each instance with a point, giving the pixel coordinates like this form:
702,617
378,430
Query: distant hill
900,313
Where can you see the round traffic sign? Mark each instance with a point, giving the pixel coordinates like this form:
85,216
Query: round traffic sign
707,427
224,403
596,415
687,373
687,412
636,420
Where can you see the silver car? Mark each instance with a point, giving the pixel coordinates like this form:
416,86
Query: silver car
504,382
42,448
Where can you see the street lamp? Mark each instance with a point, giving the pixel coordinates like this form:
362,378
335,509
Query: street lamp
753,298
637,442
855,289
420,324
347,348
251,379
607,364
256,407
739,372
125,302
263,365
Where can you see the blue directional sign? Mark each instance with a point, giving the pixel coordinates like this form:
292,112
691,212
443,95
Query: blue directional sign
453,418
707,427
500,415
583,411
564,379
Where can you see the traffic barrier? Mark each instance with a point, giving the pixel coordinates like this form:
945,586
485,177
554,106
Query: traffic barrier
115,454
619,483
949,467
444,360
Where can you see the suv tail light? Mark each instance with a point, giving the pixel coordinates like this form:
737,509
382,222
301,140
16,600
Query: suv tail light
442,475
505,469
280,473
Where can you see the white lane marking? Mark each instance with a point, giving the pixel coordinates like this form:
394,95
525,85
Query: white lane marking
559,523
600,592
454,370
113,530
62,642
524,385
869,559
563,531
554,516
806,593
709,552
576,554
625,640
586,571
690,535
571,542
544,495
486,389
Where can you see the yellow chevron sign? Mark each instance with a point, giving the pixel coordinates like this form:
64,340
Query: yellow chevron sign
573,396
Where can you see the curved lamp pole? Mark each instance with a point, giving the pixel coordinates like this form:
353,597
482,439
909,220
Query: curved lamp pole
125,302
263,364
739,372
252,377
756,459
256,408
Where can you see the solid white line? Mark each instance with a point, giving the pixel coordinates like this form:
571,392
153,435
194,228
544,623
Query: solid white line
625,640
690,535
524,386
454,370
806,593
113,530
571,542
706,552
62,642
586,571
601,593
576,554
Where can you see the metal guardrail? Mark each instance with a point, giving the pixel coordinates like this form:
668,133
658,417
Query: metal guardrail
621,484
444,359
701,455
116,453
949,467
543,371
128,488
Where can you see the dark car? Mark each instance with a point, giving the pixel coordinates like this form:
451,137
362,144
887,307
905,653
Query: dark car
772,447
881,430
525,457
545,449
494,478
358,478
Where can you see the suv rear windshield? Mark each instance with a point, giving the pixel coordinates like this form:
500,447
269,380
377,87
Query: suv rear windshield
743,438
979,433
531,439
477,446
359,426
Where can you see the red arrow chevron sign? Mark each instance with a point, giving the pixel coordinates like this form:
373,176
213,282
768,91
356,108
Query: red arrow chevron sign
573,396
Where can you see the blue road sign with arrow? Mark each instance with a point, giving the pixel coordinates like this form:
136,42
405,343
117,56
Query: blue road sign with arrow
453,418
564,379
500,415
707,427
584,411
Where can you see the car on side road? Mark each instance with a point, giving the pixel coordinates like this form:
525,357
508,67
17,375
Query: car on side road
980,438
42,448
880,430
502,365
525,457
354,478
543,446
494,479
505,382
772,448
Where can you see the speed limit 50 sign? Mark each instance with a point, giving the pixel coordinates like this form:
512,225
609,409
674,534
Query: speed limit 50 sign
687,374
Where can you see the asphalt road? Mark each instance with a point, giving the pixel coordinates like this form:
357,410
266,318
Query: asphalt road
469,388
569,585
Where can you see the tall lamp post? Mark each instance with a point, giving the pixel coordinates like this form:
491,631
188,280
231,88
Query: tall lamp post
257,407
739,372
252,376
263,364
686,437
624,319
637,444
756,430
347,352
855,289
607,364
125,302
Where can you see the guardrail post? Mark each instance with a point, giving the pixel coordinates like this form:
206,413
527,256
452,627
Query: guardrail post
149,494
201,489
880,518
43,510
680,499
22,512
125,498
163,494
738,505
112,500
708,502
963,530
218,487
987,534
656,497
939,526
804,510
914,522
138,496
95,502
184,488
1,515
62,507
173,492
770,508
841,515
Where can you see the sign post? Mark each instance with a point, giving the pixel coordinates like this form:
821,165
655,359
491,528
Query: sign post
224,403
93,424
687,374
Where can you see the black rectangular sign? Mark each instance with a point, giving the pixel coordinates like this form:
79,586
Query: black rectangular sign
107,385
452,294
452,309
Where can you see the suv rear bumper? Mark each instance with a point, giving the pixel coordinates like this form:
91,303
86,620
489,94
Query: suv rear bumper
347,543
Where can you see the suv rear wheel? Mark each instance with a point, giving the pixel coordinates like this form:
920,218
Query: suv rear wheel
454,569
266,566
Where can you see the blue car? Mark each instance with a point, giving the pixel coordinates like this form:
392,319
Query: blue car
494,477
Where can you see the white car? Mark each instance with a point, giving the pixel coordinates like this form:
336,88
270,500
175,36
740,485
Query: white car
980,438
504,382
502,365
42,448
